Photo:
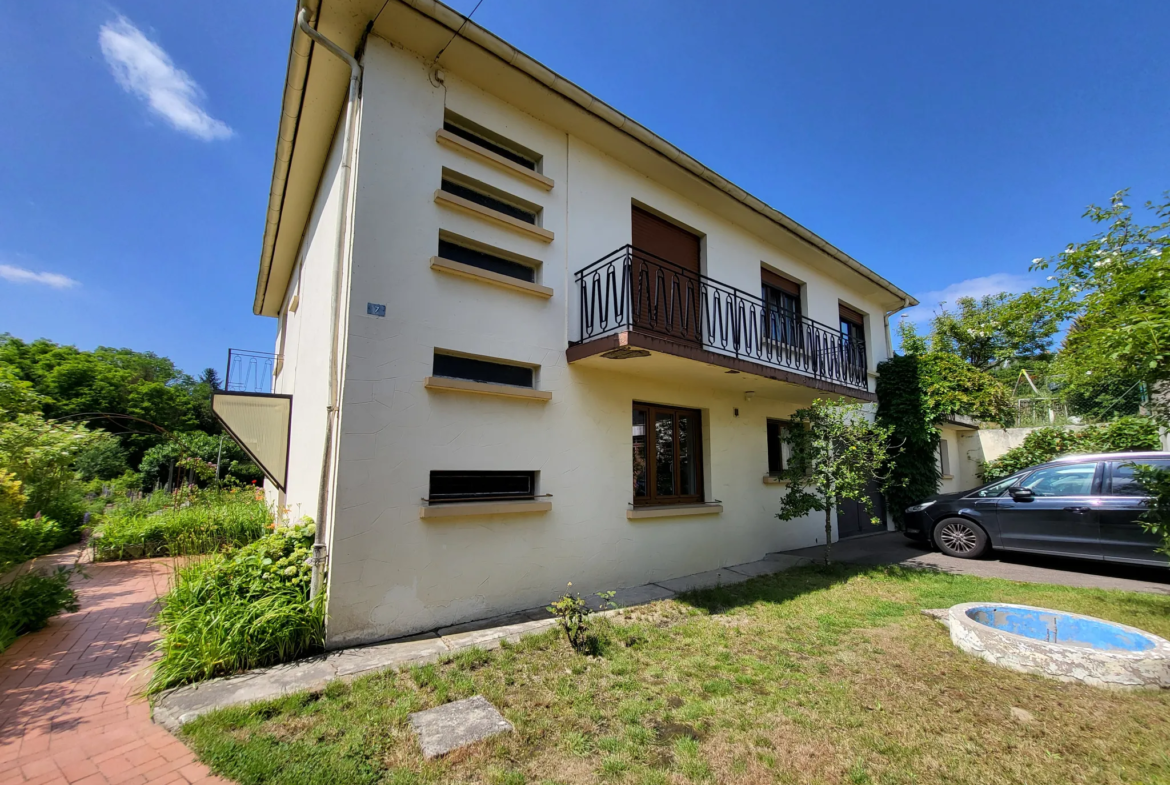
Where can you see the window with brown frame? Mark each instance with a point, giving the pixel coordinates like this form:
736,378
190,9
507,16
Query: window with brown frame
668,455
782,307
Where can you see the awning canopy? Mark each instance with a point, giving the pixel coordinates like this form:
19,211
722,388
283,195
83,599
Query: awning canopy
259,422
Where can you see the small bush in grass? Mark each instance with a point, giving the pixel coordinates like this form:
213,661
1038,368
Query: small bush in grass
242,609
28,602
210,521
573,614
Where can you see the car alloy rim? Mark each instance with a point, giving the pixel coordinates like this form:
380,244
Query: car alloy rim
958,537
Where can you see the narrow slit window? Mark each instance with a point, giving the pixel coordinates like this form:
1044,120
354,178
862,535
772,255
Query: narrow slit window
485,261
480,486
490,140
944,458
489,201
456,367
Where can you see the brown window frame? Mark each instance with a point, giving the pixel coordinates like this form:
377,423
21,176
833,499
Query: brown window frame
782,325
652,498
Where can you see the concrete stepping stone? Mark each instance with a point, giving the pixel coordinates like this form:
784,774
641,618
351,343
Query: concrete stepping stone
453,725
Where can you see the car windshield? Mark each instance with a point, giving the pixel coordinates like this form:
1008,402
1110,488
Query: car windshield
997,488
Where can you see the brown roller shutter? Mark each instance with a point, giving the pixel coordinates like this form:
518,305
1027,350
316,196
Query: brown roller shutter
667,298
770,278
665,240
850,315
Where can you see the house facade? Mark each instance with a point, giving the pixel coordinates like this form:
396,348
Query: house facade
560,349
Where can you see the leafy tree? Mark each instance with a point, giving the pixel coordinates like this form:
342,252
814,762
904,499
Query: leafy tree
915,393
105,460
1116,289
836,453
210,377
987,332
119,381
41,455
234,462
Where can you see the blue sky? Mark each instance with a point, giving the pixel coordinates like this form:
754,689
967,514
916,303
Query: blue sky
944,145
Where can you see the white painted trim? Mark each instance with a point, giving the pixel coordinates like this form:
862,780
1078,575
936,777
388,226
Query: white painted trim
481,508
458,143
673,510
484,388
495,216
451,267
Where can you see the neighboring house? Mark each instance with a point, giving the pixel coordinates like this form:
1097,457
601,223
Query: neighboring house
565,350
959,454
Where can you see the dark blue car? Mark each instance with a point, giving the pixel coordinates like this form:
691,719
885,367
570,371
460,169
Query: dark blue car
1085,506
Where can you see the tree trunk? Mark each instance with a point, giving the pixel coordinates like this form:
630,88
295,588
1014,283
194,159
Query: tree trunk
828,531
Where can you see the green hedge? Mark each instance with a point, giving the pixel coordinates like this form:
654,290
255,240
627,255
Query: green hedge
1126,434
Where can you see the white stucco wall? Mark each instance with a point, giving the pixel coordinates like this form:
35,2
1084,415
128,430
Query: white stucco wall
303,344
394,573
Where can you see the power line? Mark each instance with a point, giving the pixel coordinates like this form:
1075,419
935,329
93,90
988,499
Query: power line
466,19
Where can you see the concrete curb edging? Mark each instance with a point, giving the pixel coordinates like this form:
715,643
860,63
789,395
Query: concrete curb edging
175,708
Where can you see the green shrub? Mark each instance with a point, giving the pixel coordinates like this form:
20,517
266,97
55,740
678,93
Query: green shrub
24,540
210,521
1126,434
30,600
243,609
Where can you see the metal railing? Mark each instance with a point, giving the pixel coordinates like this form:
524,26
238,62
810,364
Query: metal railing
248,371
632,289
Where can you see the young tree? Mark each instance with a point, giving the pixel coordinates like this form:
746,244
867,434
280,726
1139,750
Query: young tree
837,452
989,331
1116,289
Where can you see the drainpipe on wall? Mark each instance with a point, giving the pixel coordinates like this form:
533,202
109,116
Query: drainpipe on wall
886,321
355,78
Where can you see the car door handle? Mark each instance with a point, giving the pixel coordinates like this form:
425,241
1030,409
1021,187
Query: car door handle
1078,509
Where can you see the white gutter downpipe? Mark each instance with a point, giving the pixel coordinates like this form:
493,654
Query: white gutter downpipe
886,319
355,79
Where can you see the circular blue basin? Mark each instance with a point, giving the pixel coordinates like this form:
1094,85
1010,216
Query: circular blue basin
1060,628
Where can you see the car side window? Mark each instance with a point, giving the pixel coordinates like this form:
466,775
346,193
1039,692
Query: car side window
1124,481
997,489
1072,480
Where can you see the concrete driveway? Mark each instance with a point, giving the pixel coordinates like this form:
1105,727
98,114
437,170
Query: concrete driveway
894,548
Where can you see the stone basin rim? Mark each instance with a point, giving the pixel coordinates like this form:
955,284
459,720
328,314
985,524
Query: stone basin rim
1107,668
1161,647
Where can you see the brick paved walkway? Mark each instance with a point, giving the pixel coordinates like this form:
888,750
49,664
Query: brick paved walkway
70,705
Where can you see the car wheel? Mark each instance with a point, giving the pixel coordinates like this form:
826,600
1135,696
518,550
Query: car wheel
961,538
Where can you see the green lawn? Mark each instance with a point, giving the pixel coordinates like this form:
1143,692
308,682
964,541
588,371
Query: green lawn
813,675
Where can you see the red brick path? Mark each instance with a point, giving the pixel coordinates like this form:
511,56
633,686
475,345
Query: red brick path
70,705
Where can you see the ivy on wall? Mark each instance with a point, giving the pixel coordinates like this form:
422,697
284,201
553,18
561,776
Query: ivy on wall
1126,434
915,393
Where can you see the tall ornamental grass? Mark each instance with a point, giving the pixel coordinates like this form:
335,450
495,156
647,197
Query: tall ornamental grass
246,608
206,522
24,540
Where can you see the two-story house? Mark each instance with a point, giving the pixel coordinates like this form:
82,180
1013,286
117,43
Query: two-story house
527,341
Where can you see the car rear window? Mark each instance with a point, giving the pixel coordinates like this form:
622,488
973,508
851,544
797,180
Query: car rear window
1125,482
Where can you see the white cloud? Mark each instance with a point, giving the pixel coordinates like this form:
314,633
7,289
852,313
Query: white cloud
972,287
21,275
144,69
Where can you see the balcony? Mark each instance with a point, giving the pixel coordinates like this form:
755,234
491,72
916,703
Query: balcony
251,372
632,302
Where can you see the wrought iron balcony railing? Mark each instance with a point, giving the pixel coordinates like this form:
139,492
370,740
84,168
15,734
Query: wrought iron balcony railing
631,289
253,372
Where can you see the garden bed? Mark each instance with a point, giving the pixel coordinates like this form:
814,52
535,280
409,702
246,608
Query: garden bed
811,675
